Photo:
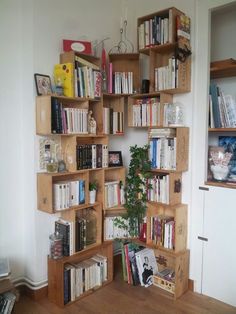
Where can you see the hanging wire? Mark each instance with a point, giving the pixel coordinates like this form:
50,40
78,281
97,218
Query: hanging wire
121,47
129,43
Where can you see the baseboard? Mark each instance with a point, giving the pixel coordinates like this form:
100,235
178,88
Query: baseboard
35,295
191,285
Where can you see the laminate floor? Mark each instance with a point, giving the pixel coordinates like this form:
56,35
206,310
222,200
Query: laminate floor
121,298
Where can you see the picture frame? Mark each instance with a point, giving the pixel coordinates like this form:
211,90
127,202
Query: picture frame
43,84
115,159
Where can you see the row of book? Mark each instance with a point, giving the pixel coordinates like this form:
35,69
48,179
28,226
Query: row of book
162,153
113,121
112,230
68,193
120,82
68,120
7,301
146,112
114,194
162,231
222,108
91,156
159,191
166,77
155,31
84,276
139,264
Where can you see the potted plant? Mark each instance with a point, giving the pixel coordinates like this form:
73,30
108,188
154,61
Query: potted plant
136,190
92,192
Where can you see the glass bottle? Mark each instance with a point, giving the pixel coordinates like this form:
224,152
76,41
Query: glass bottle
91,226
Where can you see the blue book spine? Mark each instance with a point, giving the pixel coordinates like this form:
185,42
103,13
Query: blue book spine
81,191
66,285
215,105
154,153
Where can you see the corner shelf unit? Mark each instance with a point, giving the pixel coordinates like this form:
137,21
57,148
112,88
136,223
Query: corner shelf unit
173,254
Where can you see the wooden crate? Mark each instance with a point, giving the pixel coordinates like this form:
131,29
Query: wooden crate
56,271
179,262
179,213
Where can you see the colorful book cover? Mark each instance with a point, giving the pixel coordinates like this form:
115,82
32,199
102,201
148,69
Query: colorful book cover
229,145
64,76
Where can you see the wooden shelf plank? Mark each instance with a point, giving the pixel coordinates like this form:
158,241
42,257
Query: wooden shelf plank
223,68
222,130
229,185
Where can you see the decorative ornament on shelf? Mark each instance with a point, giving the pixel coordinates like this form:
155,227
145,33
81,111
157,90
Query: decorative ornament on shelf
174,115
92,124
220,164
124,45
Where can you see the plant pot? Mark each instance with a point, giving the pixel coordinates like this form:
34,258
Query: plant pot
92,196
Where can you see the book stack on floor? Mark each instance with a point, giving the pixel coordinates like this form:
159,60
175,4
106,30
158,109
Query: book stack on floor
8,293
139,264
84,276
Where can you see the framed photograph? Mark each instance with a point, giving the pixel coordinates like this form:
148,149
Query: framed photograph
43,84
115,159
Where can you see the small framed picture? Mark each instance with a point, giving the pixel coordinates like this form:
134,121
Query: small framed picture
115,159
43,84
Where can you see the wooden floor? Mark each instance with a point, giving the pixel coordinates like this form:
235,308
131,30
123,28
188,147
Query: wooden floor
119,297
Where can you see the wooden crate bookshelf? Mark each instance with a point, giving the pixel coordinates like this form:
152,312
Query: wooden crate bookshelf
56,271
71,215
174,188
127,62
158,59
44,111
179,262
116,103
182,149
162,98
70,57
179,214
113,174
45,183
171,14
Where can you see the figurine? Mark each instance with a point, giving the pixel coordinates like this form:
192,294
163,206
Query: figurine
92,124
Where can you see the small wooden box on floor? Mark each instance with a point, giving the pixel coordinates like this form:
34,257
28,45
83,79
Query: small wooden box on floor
179,262
56,271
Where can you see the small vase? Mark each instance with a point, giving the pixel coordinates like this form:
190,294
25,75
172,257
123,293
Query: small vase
92,196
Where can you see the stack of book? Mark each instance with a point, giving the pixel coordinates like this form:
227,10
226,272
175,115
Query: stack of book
146,112
113,121
166,77
114,194
162,152
92,156
84,276
68,120
162,231
68,193
155,31
159,191
120,82
222,109
139,264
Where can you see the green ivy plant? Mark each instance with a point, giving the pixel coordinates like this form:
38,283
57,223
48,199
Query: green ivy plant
136,190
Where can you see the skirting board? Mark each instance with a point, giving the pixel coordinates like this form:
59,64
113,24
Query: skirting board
35,295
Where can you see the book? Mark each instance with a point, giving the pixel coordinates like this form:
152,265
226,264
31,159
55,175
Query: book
183,31
64,75
229,145
147,266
